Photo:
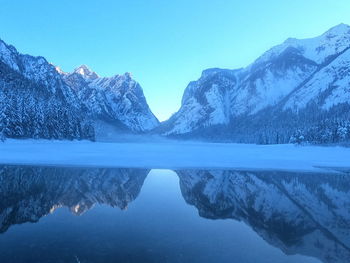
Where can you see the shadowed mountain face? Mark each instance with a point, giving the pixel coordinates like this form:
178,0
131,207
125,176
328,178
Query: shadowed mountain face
29,193
306,214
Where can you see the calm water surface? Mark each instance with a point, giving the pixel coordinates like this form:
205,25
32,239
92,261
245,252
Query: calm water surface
55,214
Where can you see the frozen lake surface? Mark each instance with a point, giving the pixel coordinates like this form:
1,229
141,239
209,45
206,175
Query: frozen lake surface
173,155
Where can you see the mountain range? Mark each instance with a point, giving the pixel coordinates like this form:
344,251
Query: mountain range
38,100
297,91
299,88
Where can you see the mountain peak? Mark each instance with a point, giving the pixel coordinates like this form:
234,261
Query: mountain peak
59,70
128,75
87,73
317,49
339,29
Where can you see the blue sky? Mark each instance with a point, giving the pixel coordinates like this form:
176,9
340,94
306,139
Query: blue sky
164,44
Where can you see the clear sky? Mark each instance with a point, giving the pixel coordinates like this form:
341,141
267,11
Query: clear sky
164,44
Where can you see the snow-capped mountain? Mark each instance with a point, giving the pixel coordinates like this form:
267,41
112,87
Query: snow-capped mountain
118,99
39,100
35,102
306,214
29,193
294,86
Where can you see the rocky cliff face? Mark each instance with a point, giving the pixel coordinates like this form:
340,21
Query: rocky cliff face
118,99
294,86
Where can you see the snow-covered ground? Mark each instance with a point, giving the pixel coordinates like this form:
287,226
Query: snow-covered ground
172,154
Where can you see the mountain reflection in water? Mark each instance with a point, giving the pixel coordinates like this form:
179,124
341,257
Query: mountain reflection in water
299,213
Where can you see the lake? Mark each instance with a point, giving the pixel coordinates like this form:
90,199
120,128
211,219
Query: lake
72,214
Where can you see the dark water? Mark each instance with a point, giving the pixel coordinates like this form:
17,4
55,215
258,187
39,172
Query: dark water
52,214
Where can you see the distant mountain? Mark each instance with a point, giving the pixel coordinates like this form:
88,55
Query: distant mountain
306,213
299,90
35,102
118,99
29,193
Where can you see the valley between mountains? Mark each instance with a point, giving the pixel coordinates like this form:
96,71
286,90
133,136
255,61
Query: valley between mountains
296,92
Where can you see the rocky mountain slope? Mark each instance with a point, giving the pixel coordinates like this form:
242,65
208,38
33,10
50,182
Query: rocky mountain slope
118,99
297,91
299,87
35,102
38,100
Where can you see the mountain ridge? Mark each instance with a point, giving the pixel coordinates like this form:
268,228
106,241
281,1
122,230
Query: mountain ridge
118,99
297,91
60,105
293,80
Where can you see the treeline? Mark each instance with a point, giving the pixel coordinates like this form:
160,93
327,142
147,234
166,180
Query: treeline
30,110
326,132
312,125
27,116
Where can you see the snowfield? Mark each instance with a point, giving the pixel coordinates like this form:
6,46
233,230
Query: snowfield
173,155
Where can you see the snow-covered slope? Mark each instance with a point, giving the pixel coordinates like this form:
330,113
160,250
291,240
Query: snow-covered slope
39,100
305,214
317,49
330,86
308,77
35,102
29,193
117,99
